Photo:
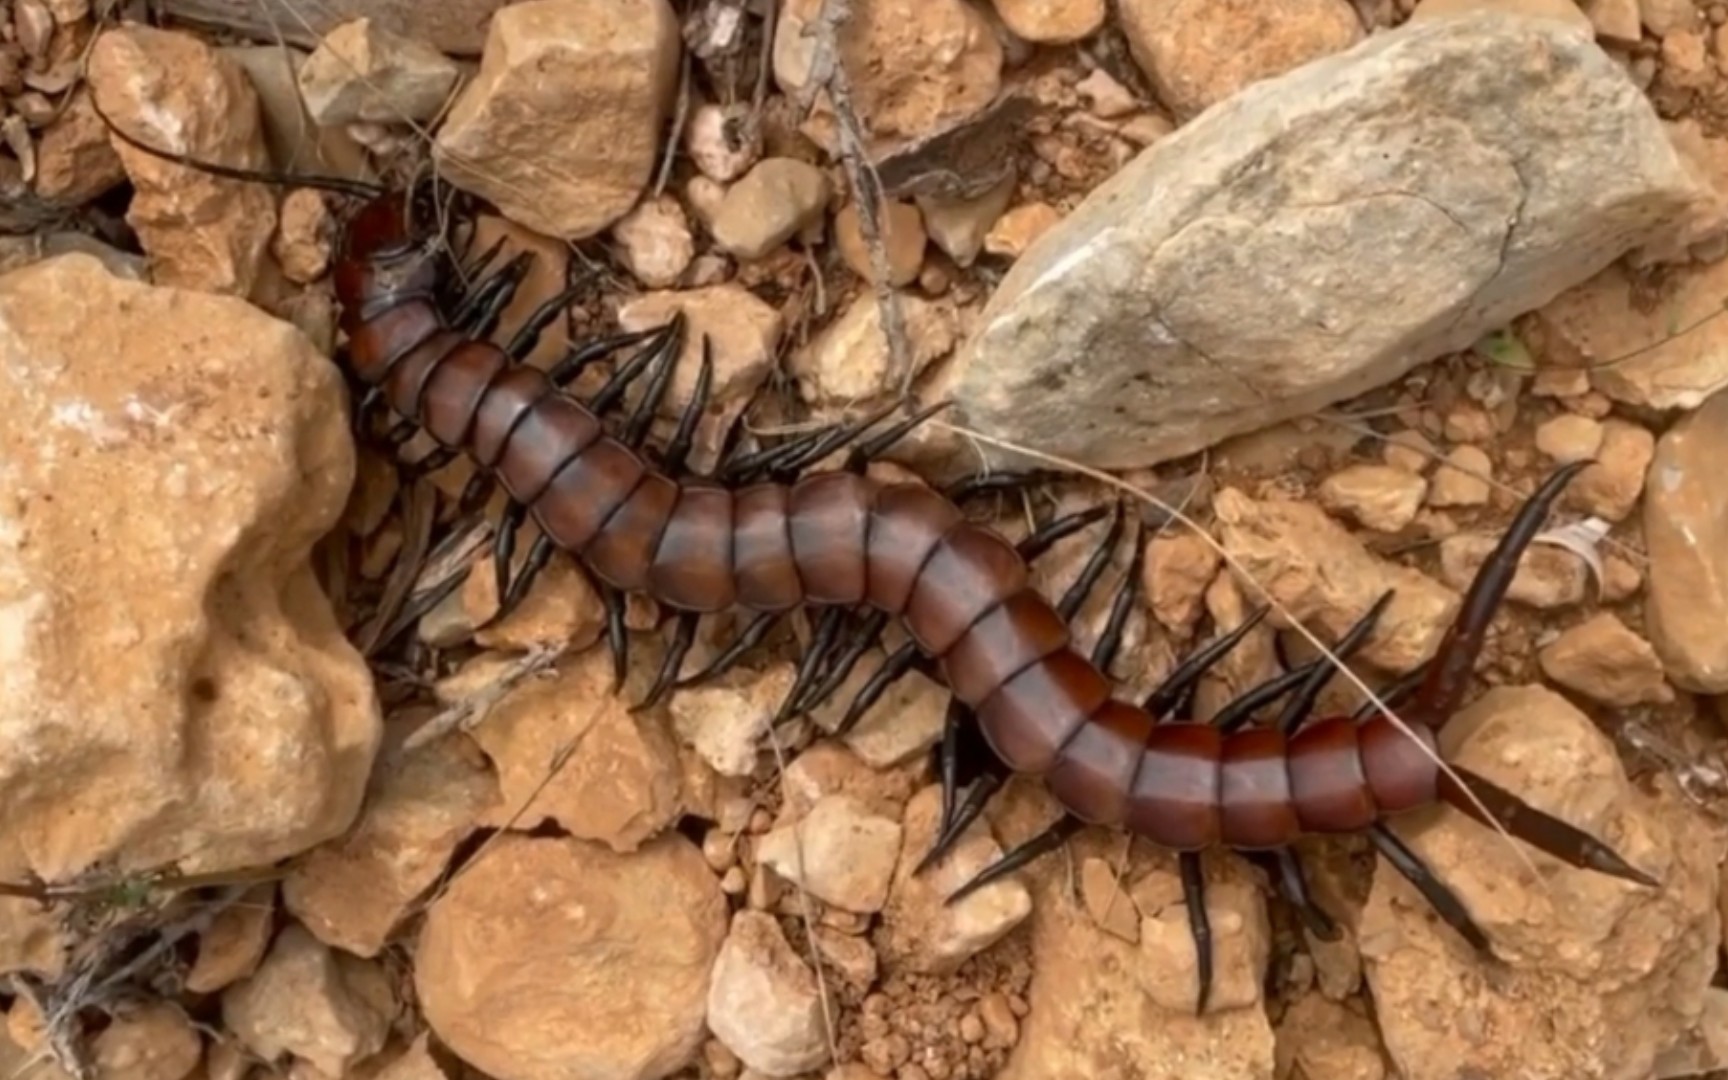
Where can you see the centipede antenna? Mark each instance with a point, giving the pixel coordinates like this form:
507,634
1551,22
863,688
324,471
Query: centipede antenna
1536,828
1110,640
528,334
1449,675
858,644
866,452
1045,842
1301,703
682,638
728,659
1052,532
1439,896
1199,923
359,189
1069,605
666,343
684,437
1188,672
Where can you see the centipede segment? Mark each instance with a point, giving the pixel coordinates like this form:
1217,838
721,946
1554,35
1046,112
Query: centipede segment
763,536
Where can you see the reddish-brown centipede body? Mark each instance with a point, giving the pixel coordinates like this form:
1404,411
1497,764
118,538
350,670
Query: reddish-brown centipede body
765,537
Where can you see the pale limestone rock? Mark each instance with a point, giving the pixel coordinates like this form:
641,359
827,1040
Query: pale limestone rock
839,851
764,1003
923,933
309,1001
655,243
304,236
1052,22
718,142
959,225
1602,659
352,893
1686,532
903,240
768,206
1597,975
160,677
1610,488
1326,579
1199,52
75,160
849,361
1568,438
1182,302
1379,496
171,91
1463,478
362,71
550,958
561,126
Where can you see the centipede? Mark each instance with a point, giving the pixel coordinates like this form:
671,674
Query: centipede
766,533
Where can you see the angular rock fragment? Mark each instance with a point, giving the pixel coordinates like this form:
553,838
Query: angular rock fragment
170,458
362,71
1686,530
1454,172
764,1002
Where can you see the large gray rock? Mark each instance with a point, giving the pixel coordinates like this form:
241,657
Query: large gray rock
1318,234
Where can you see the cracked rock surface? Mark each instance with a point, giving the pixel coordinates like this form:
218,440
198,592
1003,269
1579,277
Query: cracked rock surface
1320,233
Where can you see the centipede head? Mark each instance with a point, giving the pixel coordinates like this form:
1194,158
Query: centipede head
390,247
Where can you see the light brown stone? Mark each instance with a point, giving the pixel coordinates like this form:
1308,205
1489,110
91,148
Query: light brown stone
1603,660
362,71
1686,532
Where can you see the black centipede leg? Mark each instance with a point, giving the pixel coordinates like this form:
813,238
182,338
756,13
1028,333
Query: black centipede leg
617,634
1037,543
1199,924
1045,842
1240,709
750,638
579,358
538,556
830,442
982,483
1394,695
470,269
964,761
527,335
858,642
682,638
684,437
1538,829
821,643
475,492
1285,868
1110,640
877,445
660,373
429,464
1301,703
504,544
1087,578
490,296
661,348
1180,684
893,669
1436,892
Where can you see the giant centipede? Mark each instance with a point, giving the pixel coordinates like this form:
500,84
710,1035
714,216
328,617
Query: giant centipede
766,535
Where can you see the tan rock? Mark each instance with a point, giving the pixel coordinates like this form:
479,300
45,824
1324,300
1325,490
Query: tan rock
903,239
304,236
655,242
308,1001
1052,22
1665,17
1614,20
152,1042
1197,52
764,1003
171,91
1568,438
903,723
1323,1038
1603,660
1179,566
839,851
917,66
1324,577
921,931
1686,532
849,362
295,141
363,71
1379,496
1106,98
234,945
958,226
1241,942
569,749
75,161
562,608
1409,450
1107,901
1565,11
1701,234
1019,228
768,206
159,677
1610,488
352,893
718,141
725,720
1463,479
561,126
550,958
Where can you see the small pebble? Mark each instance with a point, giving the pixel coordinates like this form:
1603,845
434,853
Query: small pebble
1016,230
1463,480
1569,437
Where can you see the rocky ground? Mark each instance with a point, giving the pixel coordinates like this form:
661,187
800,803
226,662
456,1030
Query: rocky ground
1320,289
